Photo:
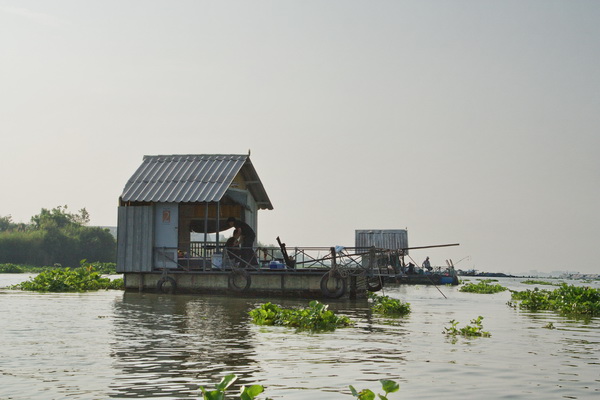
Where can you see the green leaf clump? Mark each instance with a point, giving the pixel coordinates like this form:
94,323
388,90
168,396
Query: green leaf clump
251,392
536,282
26,269
388,306
476,329
388,386
105,268
482,287
11,269
246,393
69,280
566,299
315,318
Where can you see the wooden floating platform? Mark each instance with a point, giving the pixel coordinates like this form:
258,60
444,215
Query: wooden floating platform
301,283
330,274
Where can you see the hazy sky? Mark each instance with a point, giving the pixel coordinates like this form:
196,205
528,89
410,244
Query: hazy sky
472,122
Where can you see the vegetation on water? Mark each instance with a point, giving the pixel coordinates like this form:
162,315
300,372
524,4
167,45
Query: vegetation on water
566,299
549,325
388,306
81,279
246,393
11,269
483,287
251,392
55,237
476,329
315,318
103,268
536,282
388,386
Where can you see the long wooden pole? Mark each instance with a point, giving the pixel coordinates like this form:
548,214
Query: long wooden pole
428,277
429,247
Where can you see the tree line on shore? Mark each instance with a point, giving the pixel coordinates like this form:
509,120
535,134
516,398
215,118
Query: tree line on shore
55,236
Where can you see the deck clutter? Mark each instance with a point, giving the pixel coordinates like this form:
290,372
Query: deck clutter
175,210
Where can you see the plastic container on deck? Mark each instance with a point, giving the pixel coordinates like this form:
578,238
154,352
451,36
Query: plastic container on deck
217,260
276,265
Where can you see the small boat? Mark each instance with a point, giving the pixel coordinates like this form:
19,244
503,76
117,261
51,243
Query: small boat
443,278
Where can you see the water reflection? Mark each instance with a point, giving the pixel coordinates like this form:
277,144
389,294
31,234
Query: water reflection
166,346
169,345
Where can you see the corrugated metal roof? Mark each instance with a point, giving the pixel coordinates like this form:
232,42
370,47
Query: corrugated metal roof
392,239
192,178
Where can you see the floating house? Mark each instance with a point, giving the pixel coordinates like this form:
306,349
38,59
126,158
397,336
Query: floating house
169,198
171,219
173,215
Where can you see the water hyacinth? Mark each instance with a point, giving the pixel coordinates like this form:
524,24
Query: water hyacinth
566,299
11,269
538,282
387,385
476,329
315,318
246,393
251,392
388,306
483,287
106,268
67,280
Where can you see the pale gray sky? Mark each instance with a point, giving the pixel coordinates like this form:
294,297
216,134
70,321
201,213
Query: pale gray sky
464,121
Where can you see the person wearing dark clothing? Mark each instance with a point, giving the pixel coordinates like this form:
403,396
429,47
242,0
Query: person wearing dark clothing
244,230
246,236
232,248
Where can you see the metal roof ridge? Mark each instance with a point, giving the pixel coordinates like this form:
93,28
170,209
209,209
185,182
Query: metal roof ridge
195,155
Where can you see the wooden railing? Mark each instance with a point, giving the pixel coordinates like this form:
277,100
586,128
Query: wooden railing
203,249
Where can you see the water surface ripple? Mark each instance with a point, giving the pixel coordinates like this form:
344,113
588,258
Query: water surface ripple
119,345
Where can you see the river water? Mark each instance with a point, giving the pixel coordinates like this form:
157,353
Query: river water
116,345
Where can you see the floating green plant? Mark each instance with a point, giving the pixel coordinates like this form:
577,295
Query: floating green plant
26,269
482,287
67,280
315,318
251,392
11,269
549,325
388,386
535,282
566,299
246,393
103,268
388,306
476,329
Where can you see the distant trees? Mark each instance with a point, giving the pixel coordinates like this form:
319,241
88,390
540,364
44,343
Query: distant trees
55,237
